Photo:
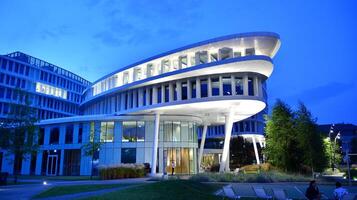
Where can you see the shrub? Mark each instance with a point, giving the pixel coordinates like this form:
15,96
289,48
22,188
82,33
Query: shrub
262,177
121,171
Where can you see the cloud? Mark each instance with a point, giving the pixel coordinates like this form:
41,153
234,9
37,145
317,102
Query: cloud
135,22
56,32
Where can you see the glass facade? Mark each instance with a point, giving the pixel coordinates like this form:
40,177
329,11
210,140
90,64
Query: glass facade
107,132
133,131
183,160
128,155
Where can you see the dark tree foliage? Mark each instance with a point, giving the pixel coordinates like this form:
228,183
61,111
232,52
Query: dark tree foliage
310,140
241,152
18,132
293,142
281,146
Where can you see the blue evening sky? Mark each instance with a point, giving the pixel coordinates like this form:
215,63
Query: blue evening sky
316,62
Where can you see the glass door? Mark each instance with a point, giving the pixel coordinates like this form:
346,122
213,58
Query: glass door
52,164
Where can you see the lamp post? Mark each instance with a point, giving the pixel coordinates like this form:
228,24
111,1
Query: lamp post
329,135
334,151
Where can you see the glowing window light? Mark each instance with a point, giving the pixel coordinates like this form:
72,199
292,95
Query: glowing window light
50,90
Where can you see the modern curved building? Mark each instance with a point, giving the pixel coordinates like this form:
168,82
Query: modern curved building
150,111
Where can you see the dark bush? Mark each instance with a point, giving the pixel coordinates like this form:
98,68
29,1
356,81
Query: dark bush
122,171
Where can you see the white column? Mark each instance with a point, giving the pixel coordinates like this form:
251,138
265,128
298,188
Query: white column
227,138
245,85
255,150
155,144
203,139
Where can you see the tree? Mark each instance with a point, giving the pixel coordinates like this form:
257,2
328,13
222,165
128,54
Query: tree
333,151
241,152
310,140
281,143
18,130
91,148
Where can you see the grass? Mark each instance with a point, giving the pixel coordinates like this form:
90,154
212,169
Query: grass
64,190
171,189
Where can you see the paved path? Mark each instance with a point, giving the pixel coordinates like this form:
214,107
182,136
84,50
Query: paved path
26,191
293,190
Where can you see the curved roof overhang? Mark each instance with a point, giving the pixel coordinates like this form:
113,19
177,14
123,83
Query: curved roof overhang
269,46
254,64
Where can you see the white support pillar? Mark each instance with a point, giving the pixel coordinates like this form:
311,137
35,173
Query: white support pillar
203,139
155,144
255,150
228,132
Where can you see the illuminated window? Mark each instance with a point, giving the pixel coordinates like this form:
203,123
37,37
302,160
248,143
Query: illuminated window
225,53
107,131
50,90
182,62
150,70
250,51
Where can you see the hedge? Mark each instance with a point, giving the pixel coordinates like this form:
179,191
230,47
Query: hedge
122,171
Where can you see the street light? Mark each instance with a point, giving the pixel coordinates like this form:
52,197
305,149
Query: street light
334,150
329,135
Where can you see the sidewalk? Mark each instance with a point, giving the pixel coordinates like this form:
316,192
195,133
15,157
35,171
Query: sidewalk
27,191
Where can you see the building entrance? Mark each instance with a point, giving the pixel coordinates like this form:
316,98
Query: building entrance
52,164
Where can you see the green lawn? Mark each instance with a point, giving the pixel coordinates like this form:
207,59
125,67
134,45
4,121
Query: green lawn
172,189
63,190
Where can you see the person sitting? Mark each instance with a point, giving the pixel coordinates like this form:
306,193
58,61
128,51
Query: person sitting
312,192
339,192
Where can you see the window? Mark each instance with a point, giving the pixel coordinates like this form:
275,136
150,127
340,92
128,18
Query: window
250,51
128,155
237,54
80,133
41,136
137,74
133,131
150,70
239,85
184,131
184,91
167,131
159,95
176,131
91,132
201,57
193,89
69,134
214,57
165,66
191,132
167,93
225,53
140,132
250,87
227,86
54,135
204,88
50,90
107,131
183,62
125,78
215,86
